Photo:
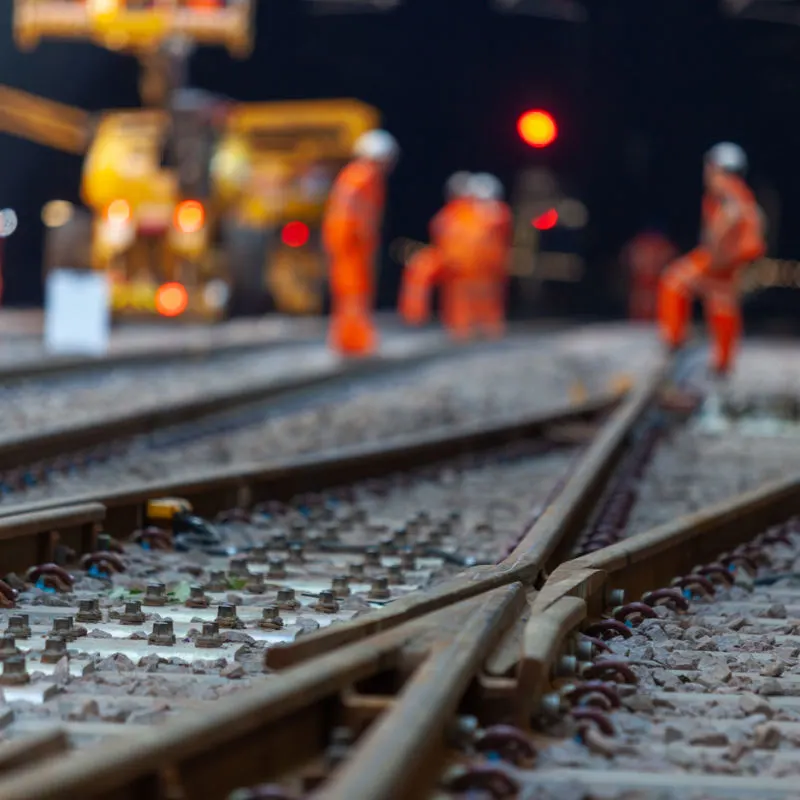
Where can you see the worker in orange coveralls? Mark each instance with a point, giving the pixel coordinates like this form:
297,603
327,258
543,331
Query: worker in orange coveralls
732,237
469,259
645,258
351,233
426,268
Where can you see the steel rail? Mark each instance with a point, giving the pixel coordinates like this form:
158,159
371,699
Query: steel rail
26,449
217,490
556,531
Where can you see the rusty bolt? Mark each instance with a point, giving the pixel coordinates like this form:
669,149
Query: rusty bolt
8,647
239,567
18,626
227,616
372,557
162,634
286,600
133,614
341,586
256,585
89,611
155,595
408,559
55,648
327,603
216,581
380,589
296,553
15,672
356,571
270,619
197,598
209,636
64,627
258,555
277,569
396,577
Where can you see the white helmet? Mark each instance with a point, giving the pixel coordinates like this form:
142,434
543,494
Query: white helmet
484,186
457,185
728,157
377,145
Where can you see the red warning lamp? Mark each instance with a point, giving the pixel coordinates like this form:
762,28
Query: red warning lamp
537,128
546,221
172,300
295,234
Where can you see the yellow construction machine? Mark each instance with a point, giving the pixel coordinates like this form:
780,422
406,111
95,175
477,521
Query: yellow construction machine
195,205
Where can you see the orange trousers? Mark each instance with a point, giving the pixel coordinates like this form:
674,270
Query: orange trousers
471,305
689,277
352,327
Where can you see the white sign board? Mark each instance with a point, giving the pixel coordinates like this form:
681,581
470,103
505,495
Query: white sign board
77,313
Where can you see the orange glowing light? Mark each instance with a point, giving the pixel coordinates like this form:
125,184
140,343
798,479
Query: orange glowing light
118,212
546,221
295,234
537,128
172,299
190,216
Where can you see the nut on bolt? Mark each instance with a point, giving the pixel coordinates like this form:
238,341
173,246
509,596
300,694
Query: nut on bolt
356,571
239,568
296,553
258,555
89,611
155,595
227,616
379,589
256,585
8,648
209,636
18,626
162,634
372,557
277,569
327,603
15,672
55,648
395,574
270,619
216,581
64,627
565,667
341,586
197,598
286,600
133,614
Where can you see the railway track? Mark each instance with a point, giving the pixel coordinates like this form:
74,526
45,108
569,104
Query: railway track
454,682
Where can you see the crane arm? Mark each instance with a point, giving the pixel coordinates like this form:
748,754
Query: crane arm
44,121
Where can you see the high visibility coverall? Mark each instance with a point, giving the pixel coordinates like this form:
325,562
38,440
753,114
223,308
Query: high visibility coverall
469,260
732,237
351,232
645,257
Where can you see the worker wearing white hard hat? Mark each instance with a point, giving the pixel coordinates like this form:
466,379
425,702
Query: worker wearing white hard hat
351,235
732,237
484,186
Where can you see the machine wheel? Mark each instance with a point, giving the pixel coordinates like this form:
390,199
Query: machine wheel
246,252
69,246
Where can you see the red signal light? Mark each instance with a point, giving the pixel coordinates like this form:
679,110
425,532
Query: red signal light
546,221
537,128
172,299
295,234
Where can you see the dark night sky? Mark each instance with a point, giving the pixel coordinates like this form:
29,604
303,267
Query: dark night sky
639,92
